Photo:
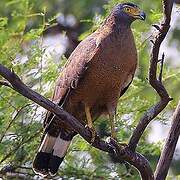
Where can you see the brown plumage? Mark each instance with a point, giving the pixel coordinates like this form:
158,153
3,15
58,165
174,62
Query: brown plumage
98,72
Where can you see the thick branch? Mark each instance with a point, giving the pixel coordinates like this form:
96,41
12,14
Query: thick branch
169,148
153,80
118,151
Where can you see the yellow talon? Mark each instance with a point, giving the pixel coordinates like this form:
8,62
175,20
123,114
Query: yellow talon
90,123
112,118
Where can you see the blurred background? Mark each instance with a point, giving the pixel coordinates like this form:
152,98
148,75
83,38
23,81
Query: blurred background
36,39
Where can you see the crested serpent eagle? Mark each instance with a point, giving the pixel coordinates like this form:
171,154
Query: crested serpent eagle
99,71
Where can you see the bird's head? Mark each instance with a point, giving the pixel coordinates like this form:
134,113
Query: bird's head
128,12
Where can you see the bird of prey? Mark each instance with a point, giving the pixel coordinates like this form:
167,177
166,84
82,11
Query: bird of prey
98,72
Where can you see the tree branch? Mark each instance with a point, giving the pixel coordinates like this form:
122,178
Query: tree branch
169,148
121,152
153,80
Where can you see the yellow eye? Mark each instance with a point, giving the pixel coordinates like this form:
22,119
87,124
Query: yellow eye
127,9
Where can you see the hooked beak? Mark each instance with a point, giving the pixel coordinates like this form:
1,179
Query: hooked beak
141,16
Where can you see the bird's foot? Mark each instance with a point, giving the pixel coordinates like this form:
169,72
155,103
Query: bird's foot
93,133
110,142
124,144
115,145
113,133
113,136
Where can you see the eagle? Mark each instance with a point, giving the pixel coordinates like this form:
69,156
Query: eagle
97,74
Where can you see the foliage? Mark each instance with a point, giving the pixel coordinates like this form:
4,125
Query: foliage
22,23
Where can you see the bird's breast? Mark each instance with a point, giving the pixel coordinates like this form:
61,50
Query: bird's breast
118,57
107,72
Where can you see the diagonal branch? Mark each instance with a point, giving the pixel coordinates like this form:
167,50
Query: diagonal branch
121,152
153,80
169,148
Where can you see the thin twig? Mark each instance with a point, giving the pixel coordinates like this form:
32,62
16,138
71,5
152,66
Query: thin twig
157,27
9,103
20,145
11,121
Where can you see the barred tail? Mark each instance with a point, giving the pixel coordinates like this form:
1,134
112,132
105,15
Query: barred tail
52,152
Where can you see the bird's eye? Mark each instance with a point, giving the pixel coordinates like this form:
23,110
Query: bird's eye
127,9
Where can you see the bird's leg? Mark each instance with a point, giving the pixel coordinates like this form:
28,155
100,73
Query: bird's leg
112,118
90,123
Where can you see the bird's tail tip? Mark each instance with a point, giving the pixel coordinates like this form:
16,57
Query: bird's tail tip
54,164
46,164
51,153
40,163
